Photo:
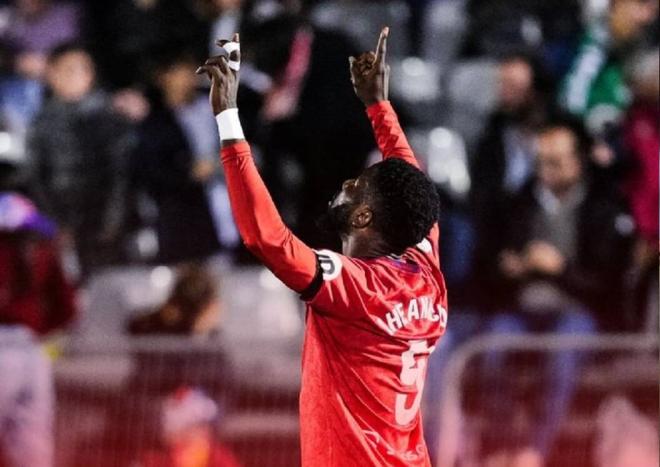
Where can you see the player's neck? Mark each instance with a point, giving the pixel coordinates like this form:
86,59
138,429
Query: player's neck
364,246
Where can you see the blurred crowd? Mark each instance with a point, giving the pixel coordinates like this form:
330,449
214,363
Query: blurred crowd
537,119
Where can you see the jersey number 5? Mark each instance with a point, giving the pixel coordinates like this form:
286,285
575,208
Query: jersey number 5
412,373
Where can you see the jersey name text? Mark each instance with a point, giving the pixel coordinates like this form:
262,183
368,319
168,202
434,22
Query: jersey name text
417,308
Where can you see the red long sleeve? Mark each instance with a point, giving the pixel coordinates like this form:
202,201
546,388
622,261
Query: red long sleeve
390,138
259,223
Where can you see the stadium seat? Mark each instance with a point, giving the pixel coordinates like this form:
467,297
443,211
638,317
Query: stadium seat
262,328
415,85
471,88
262,321
362,22
444,26
115,295
444,156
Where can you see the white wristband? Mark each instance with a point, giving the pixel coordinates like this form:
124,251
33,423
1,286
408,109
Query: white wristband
229,125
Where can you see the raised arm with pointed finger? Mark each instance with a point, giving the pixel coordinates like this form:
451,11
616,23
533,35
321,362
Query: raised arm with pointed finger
370,77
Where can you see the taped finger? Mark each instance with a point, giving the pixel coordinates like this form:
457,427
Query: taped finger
381,48
233,50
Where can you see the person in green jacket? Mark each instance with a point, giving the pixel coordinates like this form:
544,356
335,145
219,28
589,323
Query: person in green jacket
594,87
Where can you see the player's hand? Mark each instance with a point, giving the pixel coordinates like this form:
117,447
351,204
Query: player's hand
370,73
224,80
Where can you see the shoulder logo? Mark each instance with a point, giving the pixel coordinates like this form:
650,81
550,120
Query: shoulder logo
330,264
425,246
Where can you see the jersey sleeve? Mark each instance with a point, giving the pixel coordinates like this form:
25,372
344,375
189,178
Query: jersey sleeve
260,225
391,140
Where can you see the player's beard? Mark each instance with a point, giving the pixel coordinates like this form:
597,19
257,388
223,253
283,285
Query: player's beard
336,219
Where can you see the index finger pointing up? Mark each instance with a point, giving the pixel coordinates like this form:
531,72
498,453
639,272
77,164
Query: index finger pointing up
381,48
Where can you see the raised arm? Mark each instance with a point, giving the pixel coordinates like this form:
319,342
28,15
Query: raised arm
370,78
258,221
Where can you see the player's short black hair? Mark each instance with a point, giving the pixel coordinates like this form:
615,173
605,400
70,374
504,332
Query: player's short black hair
404,201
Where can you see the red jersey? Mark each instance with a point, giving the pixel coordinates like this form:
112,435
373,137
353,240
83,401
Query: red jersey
371,323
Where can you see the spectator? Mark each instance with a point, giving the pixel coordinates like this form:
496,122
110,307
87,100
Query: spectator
76,146
189,425
328,146
545,28
35,299
500,167
192,308
567,245
642,141
21,98
29,31
175,164
126,31
33,28
197,122
503,164
594,88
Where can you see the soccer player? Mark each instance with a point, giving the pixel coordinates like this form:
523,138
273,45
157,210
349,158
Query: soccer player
375,312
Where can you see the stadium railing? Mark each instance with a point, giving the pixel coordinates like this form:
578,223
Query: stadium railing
451,411
110,397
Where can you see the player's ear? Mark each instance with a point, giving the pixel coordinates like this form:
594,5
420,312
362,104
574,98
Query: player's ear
362,217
